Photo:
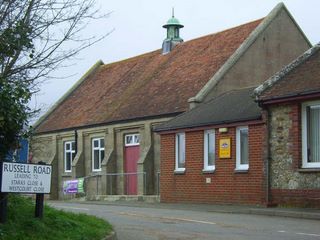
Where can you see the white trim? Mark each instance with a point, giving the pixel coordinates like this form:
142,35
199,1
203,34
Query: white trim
240,166
134,142
100,149
177,148
206,167
304,136
70,151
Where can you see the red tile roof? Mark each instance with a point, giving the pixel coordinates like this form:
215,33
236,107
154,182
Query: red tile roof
148,85
301,77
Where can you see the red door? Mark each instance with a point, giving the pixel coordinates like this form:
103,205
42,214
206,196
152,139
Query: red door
132,154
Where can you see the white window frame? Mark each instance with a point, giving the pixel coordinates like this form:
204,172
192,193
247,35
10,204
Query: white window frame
135,139
305,163
177,150
240,166
206,166
70,151
100,149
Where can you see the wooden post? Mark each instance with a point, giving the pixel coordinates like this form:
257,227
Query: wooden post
3,207
3,199
39,205
39,201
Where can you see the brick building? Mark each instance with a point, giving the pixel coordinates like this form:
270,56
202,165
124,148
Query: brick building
292,100
102,128
236,148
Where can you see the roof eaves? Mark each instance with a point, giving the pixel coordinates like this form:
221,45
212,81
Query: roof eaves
291,97
240,51
65,96
166,115
284,71
164,129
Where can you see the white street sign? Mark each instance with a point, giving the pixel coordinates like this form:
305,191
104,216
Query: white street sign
25,178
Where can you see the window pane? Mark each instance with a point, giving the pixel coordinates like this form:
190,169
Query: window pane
244,146
181,159
102,155
211,150
95,143
129,139
314,135
67,146
96,159
102,143
68,161
137,138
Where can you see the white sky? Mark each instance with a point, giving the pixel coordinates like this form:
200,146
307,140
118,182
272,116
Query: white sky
138,29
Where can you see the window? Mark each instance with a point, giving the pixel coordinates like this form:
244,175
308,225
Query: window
97,153
132,139
311,135
69,154
242,159
209,150
180,152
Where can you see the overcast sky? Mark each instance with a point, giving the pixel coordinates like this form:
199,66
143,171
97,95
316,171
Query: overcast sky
138,29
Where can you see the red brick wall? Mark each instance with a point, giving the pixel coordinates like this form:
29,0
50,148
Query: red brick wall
226,185
296,197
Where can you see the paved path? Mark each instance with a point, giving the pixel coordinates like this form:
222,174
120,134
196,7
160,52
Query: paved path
161,222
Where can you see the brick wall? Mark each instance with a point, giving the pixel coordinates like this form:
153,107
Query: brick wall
227,186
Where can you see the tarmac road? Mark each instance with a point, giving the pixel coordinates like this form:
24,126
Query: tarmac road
144,223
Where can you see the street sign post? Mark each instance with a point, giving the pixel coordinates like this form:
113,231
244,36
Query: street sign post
25,178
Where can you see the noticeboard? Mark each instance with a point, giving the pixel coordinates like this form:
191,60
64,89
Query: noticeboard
225,148
25,178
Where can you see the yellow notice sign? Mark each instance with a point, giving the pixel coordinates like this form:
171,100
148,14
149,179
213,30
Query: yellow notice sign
225,148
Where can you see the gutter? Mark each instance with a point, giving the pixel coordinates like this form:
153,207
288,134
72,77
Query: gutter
109,123
194,127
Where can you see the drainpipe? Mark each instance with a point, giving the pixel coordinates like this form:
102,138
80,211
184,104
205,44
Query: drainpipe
267,154
76,142
268,127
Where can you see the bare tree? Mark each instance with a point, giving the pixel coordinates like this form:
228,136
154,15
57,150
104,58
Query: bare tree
36,36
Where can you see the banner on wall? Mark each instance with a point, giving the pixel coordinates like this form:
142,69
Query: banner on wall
73,186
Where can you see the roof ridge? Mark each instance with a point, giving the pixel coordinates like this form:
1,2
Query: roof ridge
185,42
224,30
285,70
233,59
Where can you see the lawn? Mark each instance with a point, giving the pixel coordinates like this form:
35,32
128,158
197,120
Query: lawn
56,224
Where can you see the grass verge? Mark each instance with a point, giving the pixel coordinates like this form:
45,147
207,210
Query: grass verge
55,225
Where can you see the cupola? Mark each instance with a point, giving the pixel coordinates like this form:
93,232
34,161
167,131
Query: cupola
173,36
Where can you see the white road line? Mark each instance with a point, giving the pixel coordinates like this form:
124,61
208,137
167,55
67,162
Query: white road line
282,231
166,218
190,220
309,234
74,208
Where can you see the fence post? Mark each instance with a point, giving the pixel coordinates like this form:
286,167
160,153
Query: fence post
145,182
